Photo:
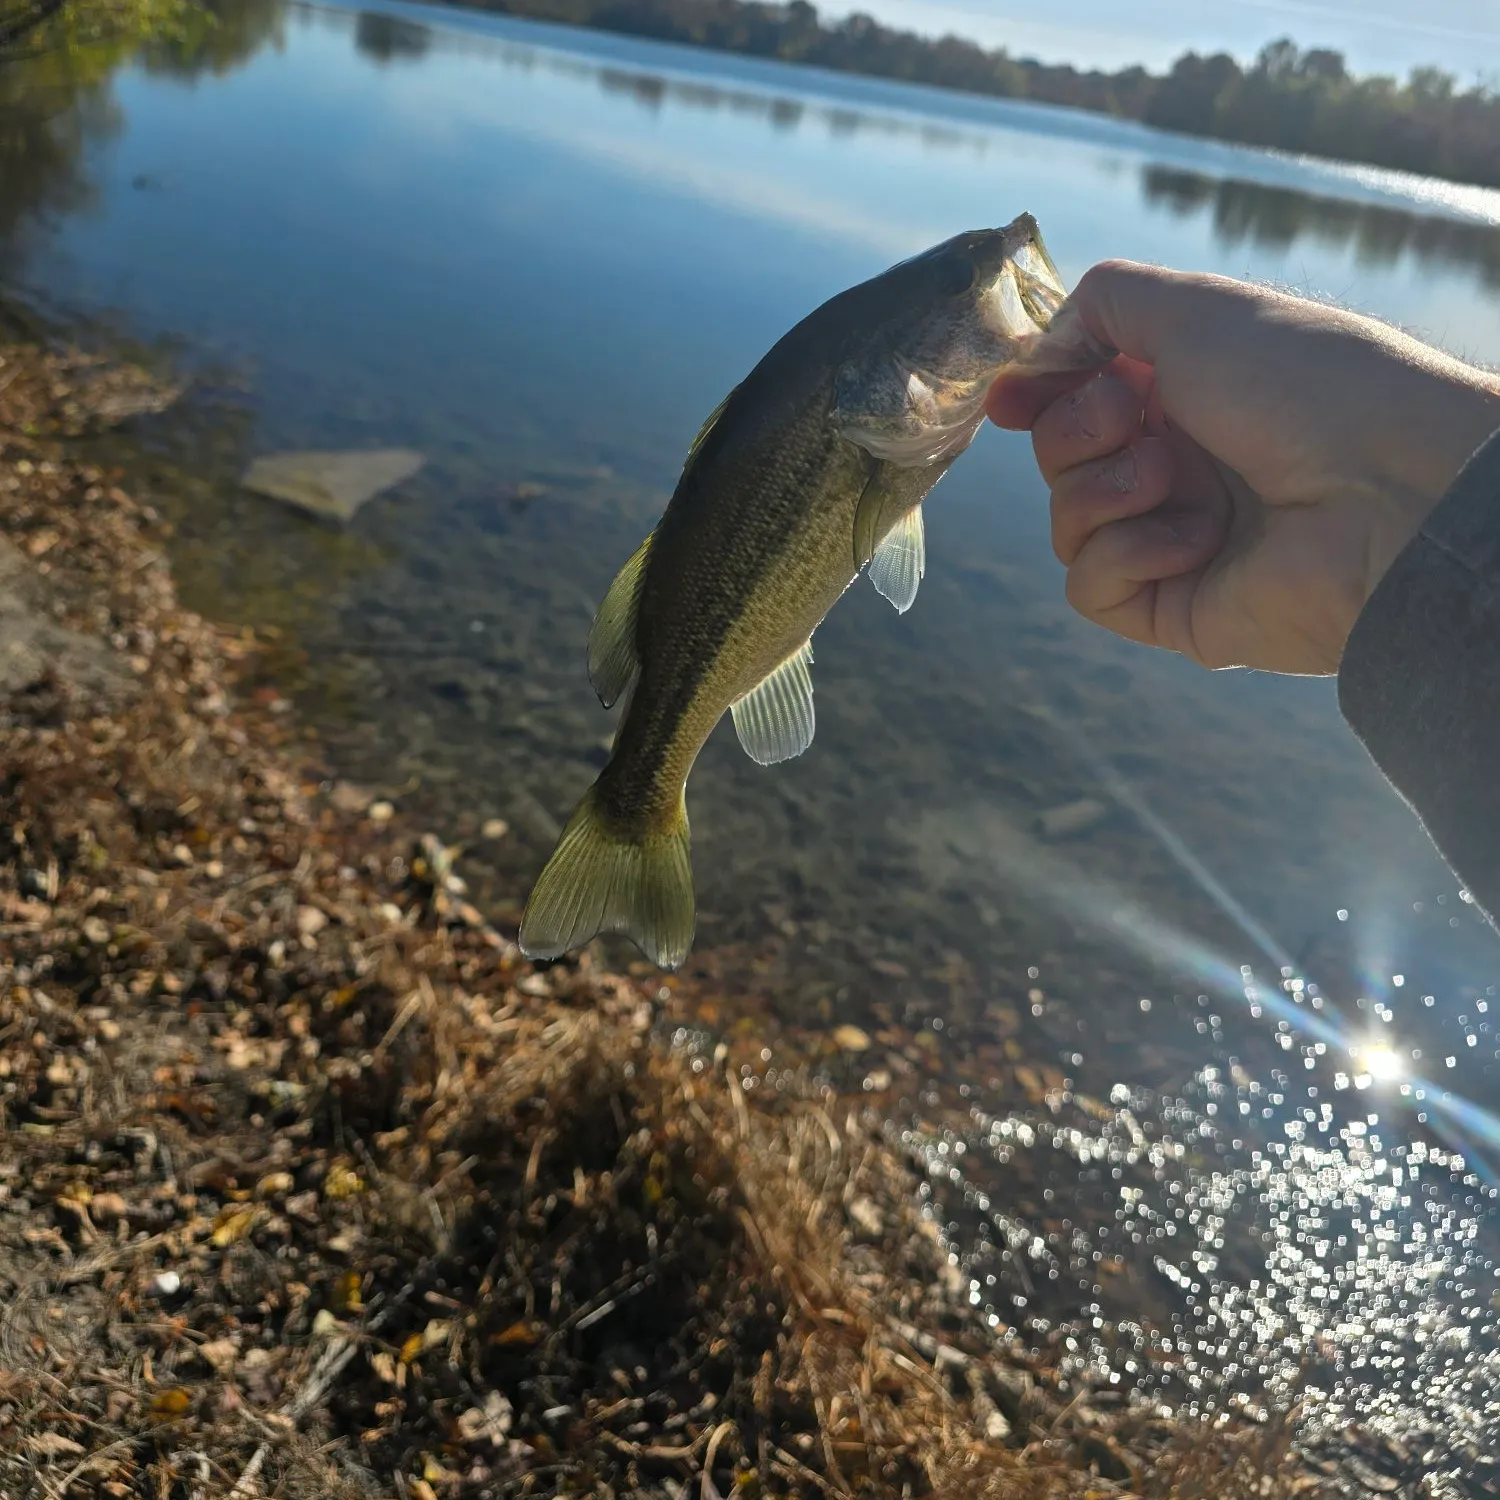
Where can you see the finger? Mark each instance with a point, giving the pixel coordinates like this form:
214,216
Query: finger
1140,310
1125,483
1090,423
1016,401
1114,579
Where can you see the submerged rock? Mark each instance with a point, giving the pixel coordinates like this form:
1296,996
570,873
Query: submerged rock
334,484
1071,818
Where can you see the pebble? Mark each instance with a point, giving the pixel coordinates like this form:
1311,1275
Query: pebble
348,798
311,921
166,1284
851,1038
495,828
96,930
381,812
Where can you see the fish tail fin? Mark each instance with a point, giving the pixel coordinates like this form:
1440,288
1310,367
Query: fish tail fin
598,881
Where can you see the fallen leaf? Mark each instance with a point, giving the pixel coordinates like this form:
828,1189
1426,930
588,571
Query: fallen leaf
520,1334
346,1292
53,1445
232,1225
342,1182
168,1405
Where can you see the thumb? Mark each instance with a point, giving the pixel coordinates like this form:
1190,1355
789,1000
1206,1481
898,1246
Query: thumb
1123,305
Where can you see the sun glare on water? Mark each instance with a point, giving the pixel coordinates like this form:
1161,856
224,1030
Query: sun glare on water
1379,1061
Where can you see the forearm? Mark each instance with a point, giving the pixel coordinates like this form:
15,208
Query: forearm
1420,678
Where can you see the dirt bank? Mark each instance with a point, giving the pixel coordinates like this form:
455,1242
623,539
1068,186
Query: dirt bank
310,1186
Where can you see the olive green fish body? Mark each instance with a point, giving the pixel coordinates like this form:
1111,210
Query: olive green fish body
812,469
729,594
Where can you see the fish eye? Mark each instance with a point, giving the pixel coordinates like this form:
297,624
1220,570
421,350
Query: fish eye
953,274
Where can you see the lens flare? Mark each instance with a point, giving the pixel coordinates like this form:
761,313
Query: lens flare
1379,1061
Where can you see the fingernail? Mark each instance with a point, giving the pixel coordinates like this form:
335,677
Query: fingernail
1123,473
1080,407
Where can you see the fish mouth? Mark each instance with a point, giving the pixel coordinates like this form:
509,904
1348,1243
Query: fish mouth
1029,305
1028,308
1025,295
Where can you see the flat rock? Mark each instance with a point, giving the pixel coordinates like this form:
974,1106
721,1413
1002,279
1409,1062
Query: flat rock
332,485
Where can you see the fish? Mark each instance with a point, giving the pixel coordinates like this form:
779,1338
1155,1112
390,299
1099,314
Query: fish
812,470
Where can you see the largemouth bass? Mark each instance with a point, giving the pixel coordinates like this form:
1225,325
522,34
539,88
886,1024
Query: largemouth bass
811,470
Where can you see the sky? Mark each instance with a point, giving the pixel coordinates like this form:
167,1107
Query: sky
1377,36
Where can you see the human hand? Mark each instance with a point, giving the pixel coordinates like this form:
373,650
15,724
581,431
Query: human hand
1237,482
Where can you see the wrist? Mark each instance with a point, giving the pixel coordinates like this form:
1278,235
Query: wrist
1465,418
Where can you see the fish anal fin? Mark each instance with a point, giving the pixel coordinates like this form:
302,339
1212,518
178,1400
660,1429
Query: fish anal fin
775,721
598,882
901,560
612,654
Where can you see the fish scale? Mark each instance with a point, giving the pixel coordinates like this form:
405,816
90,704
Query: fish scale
812,468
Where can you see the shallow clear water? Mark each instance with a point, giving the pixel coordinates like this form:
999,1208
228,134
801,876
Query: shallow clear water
541,257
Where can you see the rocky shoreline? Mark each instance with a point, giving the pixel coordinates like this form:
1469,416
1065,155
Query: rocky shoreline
311,1186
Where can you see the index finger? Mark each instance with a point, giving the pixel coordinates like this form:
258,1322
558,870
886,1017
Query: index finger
1017,401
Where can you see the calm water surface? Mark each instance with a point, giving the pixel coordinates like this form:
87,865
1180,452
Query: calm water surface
541,257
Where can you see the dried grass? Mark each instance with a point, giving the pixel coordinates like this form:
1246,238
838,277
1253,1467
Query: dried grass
310,1186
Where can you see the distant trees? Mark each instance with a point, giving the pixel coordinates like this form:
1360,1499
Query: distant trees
1290,99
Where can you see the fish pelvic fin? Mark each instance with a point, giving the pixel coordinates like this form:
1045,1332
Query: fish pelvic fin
598,881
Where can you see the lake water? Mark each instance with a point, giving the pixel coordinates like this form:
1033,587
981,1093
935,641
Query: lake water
541,257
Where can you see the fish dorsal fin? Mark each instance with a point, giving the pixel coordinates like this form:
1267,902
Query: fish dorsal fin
775,721
710,422
612,654
900,561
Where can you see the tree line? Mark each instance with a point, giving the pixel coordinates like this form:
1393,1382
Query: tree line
1288,98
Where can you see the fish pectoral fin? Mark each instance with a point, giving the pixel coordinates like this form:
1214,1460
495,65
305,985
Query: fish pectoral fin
775,721
900,561
868,514
613,661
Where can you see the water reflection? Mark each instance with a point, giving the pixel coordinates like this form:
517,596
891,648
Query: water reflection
46,128
218,37
384,38
1242,211
59,106
1279,217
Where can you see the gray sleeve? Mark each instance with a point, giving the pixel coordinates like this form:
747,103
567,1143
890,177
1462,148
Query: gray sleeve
1420,679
